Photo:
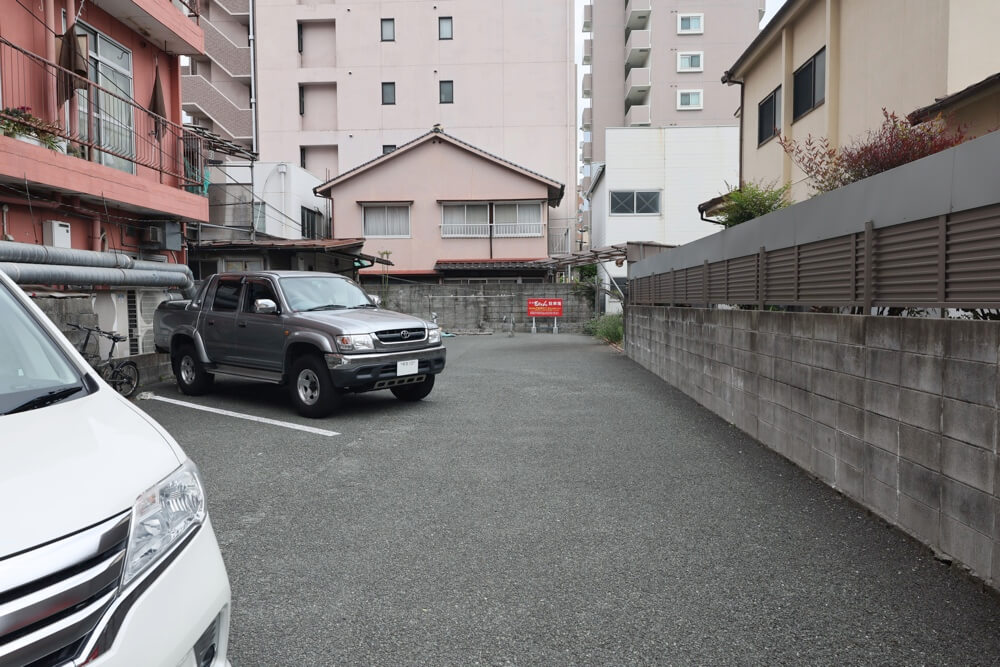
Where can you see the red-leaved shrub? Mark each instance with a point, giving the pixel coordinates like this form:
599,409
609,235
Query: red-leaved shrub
894,143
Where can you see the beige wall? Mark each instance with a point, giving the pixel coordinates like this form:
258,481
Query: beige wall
426,175
893,54
511,63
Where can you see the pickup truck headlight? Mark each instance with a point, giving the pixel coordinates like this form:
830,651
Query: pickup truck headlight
355,343
163,515
434,335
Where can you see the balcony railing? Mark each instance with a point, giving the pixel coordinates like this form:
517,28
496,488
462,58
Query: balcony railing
63,111
501,230
465,231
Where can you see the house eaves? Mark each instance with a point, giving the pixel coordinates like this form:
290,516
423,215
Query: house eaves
555,188
771,31
955,100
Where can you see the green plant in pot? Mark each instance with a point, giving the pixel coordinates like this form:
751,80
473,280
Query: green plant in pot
20,122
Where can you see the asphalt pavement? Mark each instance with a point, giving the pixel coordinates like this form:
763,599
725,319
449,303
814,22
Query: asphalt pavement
553,503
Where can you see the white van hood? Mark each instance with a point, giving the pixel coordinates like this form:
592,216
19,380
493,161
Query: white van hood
72,464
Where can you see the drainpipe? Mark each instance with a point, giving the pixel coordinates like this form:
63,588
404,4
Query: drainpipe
6,236
95,234
728,80
252,39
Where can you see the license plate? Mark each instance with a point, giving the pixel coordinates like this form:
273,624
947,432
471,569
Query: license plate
407,367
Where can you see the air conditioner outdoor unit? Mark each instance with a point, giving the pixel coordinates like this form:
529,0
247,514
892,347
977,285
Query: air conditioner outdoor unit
56,233
154,236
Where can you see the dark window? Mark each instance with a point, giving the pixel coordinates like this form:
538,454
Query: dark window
808,85
388,92
227,295
302,100
635,203
302,156
258,290
388,148
300,36
388,30
769,116
446,92
311,223
444,27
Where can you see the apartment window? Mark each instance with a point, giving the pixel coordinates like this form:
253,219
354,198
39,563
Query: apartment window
517,220
388,30
690,24
299,26
808,85
446,92
312,223
635,203
689,99
444,27
302,156
388,148
387,220
388,92
769,116
510,220
690,61
113,121
302,100
465,221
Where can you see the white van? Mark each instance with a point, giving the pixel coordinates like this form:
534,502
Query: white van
107,554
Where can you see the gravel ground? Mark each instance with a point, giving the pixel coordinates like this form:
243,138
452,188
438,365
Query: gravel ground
552,502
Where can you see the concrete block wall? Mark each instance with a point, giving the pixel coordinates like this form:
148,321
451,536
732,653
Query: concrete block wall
482,308
900,414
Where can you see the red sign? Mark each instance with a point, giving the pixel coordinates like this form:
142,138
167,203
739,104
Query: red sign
545,308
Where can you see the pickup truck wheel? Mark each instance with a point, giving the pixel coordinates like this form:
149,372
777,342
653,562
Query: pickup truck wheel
192,378
413,392
312,389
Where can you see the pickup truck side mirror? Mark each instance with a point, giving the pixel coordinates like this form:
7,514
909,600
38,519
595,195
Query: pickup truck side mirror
265,307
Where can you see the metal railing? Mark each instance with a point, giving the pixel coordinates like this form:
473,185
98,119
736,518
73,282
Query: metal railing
517,229
61,110
456,231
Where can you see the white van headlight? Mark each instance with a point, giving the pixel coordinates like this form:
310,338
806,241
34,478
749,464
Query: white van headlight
162,516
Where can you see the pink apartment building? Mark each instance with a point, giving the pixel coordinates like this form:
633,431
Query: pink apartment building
92,152
91,157
341,83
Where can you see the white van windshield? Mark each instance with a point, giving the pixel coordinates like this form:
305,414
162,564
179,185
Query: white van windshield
33,371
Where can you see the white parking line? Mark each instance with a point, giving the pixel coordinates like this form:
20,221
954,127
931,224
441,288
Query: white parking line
238,415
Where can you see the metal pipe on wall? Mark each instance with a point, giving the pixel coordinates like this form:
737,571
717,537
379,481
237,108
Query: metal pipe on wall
54,274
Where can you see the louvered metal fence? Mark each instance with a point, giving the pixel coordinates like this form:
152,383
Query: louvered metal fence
950,259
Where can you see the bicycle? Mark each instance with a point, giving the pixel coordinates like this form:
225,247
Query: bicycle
123,376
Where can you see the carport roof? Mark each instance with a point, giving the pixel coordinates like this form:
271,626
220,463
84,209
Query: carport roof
350,247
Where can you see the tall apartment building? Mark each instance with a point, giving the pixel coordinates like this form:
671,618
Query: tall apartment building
341,83
661,129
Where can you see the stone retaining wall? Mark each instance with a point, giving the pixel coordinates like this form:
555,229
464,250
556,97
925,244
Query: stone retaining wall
898,413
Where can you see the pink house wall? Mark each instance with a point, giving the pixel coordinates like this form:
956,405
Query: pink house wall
427,175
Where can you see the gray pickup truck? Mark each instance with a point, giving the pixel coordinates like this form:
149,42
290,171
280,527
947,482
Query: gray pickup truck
317,333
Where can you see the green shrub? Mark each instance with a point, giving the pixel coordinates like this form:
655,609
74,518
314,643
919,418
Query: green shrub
752,201
609,328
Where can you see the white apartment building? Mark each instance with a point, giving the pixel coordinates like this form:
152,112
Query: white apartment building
340,83
661,129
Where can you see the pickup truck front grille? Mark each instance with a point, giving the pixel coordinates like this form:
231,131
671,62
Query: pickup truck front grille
391,336
52,597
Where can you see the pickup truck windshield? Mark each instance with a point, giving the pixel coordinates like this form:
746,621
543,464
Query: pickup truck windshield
305,293
33,371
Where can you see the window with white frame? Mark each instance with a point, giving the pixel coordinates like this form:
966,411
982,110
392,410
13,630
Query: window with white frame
517,220
690,61
510,220
690,24
387,220
630,202
689,99
465,221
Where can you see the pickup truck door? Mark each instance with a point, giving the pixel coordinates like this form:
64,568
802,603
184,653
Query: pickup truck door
219,323
260,337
